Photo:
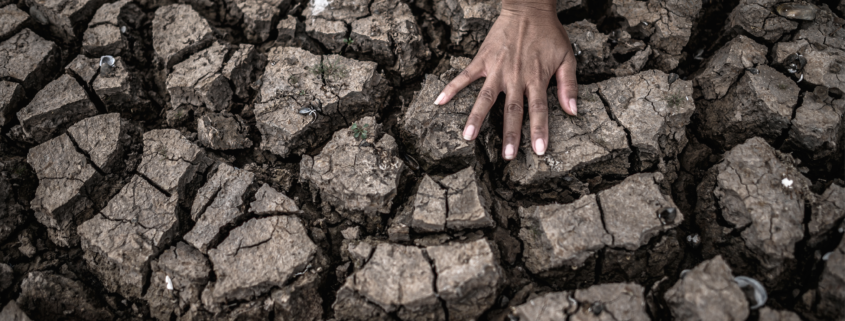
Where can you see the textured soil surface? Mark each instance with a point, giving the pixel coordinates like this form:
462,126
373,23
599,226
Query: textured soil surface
283,160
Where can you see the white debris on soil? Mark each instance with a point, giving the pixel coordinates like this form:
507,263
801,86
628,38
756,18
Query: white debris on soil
786,182
169,282
319,6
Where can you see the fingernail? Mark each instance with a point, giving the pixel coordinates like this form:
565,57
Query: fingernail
469,132
439,99
509,153
573,106
539,147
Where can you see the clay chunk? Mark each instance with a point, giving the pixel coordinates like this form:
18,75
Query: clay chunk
759,19
106,31
666,23
12,20
220,202
63,199
178,277
707,292
468,201
179,31
198,80
296,82
468,277
11,94
827,211
28,59
59,105
616,301
436,132
223,131
48,296
654,111
120,242
818,125
102,137
771,214
727,64
636,210
171,161
356,176
66,20
269,201
396,280
259,255
832,283
758,105
562,235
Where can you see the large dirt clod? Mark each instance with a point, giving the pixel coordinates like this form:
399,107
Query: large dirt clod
66,20
827,211
616,301
12,20
269,201
707,292
818,126
220,202
257,256
831,289
558,236
29,59
48,296
171,161
759,105
119,242
666,23
653,111
727,64
336,88
223,131
106,31
102,138
396,280
357,176
636,210
63,199
59,105
758,18
179,276
11,94
768,217
468,277
179,31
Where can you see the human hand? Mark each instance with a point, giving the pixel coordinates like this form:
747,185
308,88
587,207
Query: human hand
525,47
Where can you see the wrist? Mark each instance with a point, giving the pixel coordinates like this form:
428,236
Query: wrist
530,8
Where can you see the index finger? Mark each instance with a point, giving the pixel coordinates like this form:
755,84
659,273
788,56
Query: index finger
466,77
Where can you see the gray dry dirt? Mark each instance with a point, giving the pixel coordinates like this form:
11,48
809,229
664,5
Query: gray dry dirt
283,160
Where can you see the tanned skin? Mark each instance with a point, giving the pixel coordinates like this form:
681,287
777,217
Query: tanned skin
525,48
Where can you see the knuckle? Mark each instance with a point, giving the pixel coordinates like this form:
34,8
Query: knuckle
511,136
538,131
486,95
538,106
513,109
465,74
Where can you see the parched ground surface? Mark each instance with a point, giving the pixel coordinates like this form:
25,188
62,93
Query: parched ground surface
283,160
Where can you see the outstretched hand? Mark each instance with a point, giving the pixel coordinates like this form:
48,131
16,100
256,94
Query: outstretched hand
525,47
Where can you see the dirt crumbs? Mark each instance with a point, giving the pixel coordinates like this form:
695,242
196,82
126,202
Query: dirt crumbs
284,160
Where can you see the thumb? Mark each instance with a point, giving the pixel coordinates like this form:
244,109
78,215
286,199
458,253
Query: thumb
567,84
